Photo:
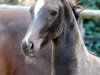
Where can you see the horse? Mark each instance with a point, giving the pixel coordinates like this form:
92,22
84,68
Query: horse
13,25
56,21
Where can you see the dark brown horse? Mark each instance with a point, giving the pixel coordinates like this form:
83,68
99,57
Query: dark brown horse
13,26
56,21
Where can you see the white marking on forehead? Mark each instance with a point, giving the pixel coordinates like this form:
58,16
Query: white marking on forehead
27,37
38,6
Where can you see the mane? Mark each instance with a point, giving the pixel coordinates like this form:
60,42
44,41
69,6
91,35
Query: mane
81,28
78,18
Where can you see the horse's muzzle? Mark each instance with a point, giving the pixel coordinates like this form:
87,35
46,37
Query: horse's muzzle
28,49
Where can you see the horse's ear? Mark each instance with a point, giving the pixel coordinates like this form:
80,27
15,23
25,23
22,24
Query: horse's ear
73,5
72,2
69,6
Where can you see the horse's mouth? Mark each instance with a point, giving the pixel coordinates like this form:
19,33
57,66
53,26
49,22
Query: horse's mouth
30,58
30,55
33,54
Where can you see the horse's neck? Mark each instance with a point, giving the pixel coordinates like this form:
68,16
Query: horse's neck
67,49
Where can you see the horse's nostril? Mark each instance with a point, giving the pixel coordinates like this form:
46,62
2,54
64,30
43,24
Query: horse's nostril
28,49
25,47
31,45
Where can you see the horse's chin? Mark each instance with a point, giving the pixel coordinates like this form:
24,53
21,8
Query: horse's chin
30,58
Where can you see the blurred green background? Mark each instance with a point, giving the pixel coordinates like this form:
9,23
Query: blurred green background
92,27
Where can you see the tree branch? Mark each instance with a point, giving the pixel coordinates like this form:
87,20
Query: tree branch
89,14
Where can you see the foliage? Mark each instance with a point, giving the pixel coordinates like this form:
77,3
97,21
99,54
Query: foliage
14,2
92,27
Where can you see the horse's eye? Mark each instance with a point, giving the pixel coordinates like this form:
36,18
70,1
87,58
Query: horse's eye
53,13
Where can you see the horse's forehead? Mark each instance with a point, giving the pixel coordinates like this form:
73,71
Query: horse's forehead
38,6
46,2
41,3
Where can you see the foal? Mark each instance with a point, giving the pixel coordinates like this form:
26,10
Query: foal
55,20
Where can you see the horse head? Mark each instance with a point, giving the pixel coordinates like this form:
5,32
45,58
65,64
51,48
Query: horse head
48,22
